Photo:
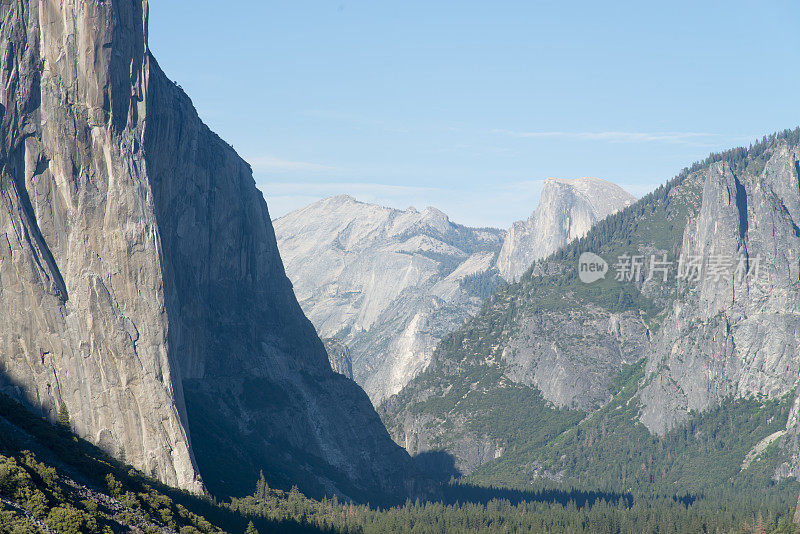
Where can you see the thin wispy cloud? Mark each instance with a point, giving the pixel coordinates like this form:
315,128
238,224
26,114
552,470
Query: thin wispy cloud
337,188
272,164
619,136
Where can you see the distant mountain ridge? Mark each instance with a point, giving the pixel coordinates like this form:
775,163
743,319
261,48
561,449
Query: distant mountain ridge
389,284
384,281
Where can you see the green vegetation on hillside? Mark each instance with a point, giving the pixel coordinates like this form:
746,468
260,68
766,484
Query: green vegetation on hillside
50,479
466,391
510,414
482,285
613,451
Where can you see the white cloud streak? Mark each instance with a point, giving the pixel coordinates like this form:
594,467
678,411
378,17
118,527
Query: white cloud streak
273,164
617,137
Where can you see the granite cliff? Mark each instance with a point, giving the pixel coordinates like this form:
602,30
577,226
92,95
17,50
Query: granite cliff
140,280
567,210
733,335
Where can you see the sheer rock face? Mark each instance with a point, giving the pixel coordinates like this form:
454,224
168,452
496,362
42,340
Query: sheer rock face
339,356
567,210
83,304
739,335
573,357
139,268
386,283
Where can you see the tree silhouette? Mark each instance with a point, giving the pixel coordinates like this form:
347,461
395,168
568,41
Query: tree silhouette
63,417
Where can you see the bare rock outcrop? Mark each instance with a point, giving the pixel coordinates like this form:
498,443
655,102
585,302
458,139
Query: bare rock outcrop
735,334
567,210
339,357
573,356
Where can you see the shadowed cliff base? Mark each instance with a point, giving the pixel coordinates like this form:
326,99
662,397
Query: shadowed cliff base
87,464
230,467
439,465
470,493
84,473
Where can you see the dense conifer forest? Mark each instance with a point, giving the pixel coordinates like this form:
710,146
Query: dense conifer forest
51,481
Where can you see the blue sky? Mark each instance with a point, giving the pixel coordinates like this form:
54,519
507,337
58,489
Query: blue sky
468,106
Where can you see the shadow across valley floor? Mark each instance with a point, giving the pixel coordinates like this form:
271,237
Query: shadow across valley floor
441,467
437,465
463,493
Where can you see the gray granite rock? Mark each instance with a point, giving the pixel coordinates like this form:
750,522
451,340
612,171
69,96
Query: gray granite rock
573,356
740,335
390,284
82,293
339,357
140,279
386,283
567,210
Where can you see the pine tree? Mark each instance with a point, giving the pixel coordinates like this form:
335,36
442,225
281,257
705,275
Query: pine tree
251,529
262,488
63,417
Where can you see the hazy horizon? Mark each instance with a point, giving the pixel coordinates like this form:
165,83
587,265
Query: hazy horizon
291,204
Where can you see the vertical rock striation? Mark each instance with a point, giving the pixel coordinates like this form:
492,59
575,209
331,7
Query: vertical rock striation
83,301
733,335
140,279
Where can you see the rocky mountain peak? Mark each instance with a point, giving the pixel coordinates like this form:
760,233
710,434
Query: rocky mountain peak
567,209
387,283
342,200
